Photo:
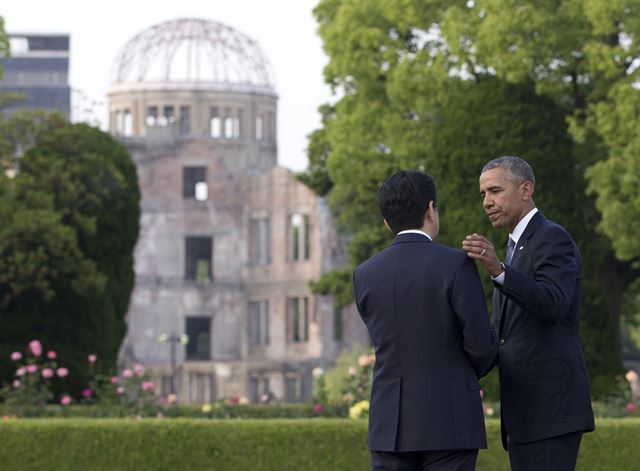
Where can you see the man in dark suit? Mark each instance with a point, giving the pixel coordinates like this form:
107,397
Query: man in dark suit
544,386
424,308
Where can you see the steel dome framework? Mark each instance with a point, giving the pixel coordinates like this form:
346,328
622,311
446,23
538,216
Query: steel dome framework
193,50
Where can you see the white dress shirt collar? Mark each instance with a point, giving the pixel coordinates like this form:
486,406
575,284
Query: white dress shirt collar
522,225
415,231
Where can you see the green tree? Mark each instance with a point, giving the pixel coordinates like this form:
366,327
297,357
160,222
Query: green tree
584,54
4,42
478,120
70,223
417,92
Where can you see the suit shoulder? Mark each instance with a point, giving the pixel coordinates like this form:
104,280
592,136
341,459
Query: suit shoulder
372,260
451,253
555,230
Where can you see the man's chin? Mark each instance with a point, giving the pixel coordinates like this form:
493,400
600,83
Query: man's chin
495,222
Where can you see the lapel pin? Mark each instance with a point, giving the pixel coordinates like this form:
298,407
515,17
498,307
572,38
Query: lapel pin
521,247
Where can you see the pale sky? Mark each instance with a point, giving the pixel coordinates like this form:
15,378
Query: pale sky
284,29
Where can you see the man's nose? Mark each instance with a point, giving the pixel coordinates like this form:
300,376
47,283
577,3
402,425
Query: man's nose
487,202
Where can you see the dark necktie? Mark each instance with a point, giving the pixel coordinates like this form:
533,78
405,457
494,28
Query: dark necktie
511,245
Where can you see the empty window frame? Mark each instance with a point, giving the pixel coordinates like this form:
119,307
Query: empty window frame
194,183
259,128
299,237
152,116
118,121
259,322
127,127
259,241
215,124
185,120
168,116
237,124
298,320
228,124
199,332
259,388
124,122
271,120
198,258
291,393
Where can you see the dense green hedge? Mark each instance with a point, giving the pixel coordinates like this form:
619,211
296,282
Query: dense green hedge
188,444
217,410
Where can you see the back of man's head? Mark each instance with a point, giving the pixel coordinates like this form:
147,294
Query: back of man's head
403,199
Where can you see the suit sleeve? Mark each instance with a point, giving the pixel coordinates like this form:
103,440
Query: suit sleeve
355,291
467,301
549,292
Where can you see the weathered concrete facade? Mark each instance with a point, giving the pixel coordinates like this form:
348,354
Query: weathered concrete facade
229,242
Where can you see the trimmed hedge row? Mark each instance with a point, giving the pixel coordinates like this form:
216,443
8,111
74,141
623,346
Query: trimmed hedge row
189,444
218,411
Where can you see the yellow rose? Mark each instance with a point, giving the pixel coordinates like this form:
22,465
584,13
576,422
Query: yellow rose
356,411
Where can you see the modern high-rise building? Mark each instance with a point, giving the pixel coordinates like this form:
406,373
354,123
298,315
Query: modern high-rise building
38,69
229,240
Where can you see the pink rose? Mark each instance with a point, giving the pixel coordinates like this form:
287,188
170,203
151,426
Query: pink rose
47,373
32,368
127,373
65,400
352,371
631,407
148,386
51,355
114,380
16,356
120,390
138,369
62,372
21,371
16,383
92,358
36,348
87,393
318,408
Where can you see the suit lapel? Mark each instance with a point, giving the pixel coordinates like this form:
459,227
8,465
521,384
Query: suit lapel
521,246
518,253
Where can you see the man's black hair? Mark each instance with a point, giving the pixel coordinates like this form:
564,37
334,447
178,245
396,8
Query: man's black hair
404,197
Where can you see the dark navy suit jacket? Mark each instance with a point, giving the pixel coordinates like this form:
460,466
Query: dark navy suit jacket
544,386
425,310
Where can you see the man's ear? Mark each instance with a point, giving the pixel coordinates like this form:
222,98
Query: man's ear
527,190
431,212
386,224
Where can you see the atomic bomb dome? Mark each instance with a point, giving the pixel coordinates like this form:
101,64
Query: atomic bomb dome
194,77
229,241
192,50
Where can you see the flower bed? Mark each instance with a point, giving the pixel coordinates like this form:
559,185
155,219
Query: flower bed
188,444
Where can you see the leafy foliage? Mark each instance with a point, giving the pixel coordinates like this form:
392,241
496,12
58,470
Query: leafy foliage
4,42
583,54
445,87
70,222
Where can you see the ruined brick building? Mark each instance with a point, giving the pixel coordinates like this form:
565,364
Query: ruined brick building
229,240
